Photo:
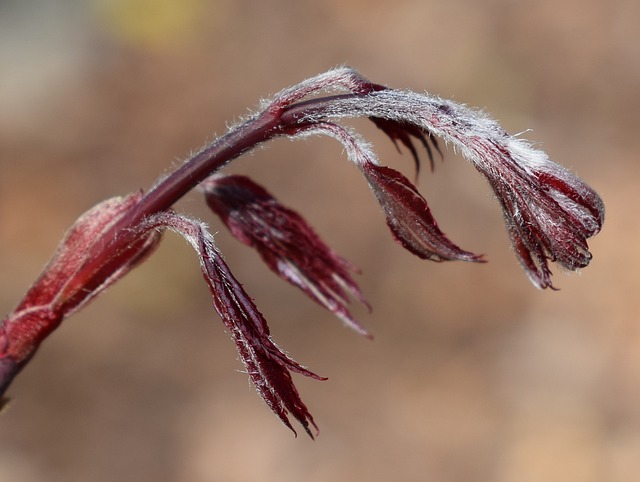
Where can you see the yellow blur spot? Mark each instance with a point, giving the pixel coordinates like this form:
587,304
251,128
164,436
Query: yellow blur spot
155,23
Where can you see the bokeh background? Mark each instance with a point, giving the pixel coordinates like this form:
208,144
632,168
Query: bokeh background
473,373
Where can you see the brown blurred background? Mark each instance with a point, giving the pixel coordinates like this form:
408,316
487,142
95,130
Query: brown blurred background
473,374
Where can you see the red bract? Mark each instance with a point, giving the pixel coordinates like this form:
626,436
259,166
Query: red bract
286,243
549,212
69,281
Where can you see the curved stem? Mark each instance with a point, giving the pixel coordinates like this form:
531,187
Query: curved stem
276,120
270,123
167,191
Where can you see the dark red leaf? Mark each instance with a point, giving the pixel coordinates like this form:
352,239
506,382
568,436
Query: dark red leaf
285,242
404,133
409,216
267,365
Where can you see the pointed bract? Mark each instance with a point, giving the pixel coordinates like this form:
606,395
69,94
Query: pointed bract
408,215
64,281
70,281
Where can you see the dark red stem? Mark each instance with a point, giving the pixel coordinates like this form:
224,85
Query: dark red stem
168,190
273,122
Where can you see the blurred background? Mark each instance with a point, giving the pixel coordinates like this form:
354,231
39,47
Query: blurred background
473,374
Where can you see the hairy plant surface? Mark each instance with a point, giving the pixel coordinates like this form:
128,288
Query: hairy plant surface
549,214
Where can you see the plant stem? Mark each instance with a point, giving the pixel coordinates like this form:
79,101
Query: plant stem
272,122
269,124
168,190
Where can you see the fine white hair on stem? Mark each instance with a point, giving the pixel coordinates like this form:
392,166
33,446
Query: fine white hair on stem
340,79
549,214
357,149
548,211
454,123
